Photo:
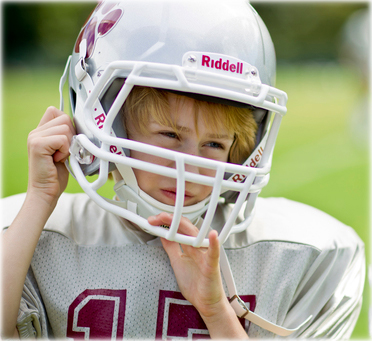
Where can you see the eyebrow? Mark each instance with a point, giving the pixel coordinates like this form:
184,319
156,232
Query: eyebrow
219,136
211,136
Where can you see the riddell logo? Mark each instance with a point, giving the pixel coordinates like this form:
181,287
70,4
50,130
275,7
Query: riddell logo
255,159
100,120
221,64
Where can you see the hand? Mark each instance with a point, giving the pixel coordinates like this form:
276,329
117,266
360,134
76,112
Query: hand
48,148
198,276
196,269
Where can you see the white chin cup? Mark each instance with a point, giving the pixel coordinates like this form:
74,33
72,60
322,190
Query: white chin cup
145,206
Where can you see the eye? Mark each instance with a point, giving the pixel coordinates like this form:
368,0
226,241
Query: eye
215,145
169,134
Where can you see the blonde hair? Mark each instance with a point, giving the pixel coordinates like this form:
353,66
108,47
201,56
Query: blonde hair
144,103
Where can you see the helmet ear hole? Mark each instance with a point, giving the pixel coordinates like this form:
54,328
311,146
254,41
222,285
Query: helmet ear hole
72,100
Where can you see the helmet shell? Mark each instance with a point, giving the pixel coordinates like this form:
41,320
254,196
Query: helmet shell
167,29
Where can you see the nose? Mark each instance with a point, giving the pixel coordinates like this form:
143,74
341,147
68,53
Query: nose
200,170
192,168
193,149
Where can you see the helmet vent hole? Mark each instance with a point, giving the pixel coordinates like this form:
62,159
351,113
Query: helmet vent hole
73,100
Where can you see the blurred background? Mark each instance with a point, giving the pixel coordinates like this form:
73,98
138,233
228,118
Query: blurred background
322,154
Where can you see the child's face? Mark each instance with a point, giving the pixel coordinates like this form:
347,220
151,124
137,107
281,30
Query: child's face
204,141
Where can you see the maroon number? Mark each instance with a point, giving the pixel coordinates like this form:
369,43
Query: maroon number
178,318
97,314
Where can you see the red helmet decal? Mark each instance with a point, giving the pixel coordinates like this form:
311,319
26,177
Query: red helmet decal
109,21
101,22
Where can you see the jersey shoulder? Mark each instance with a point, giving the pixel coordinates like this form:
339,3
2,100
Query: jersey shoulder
286,220
80,219
9,208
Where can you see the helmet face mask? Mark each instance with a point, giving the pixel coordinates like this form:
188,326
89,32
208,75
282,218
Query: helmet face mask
173,57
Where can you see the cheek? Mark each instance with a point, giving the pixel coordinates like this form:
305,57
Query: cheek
207,172
142,178
207,190
146,180
138,155
204,189
149,158
204,192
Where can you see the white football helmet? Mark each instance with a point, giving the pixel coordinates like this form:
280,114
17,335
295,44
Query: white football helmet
213,50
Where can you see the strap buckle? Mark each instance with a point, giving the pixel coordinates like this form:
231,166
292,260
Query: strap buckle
241,303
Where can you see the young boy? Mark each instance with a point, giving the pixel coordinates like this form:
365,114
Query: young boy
175,99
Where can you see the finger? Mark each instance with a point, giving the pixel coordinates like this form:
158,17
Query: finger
172,249
214,248
58,156
38,141
185,227
62,143
160,219
62,129
50,114
49,145
63,120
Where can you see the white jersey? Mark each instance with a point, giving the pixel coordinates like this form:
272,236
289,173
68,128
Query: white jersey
94,274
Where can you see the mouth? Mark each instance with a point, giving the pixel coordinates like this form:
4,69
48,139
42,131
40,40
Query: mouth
171,193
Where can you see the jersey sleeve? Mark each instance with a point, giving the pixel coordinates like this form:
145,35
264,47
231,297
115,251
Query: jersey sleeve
31,321
332,293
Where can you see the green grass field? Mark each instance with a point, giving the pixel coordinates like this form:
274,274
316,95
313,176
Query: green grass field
321,157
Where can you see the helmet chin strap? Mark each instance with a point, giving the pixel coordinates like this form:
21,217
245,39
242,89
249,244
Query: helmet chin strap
128,176
139,202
